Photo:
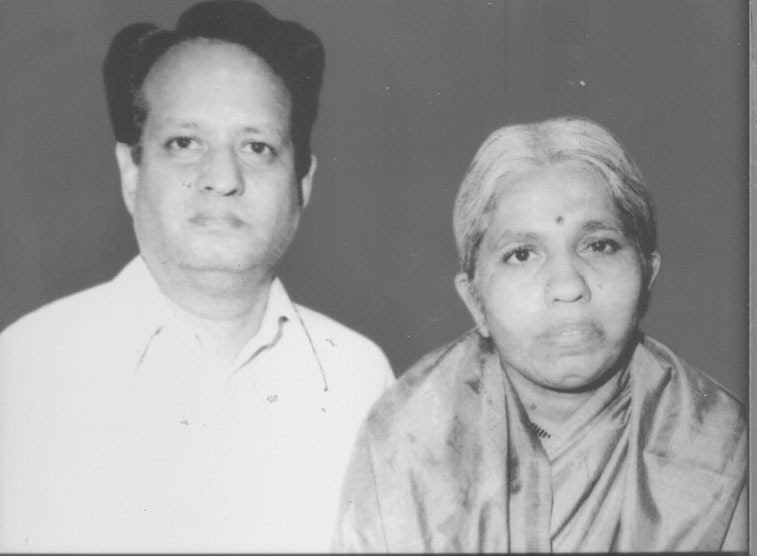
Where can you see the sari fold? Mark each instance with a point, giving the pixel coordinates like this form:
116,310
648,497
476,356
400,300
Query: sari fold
448,461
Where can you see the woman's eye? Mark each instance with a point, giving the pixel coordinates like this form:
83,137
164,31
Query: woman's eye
604,246
519,256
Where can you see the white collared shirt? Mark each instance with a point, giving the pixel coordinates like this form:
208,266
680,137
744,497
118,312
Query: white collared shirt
118,433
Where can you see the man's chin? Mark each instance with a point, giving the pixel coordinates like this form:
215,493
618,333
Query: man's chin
211,265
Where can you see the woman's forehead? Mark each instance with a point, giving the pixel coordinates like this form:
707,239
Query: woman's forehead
556,194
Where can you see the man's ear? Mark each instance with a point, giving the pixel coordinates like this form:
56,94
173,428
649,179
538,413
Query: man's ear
306,183
655,262
468,293
129,173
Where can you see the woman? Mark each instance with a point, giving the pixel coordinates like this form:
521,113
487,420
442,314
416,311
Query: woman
555,425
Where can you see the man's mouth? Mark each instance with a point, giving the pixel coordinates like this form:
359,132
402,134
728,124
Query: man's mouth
220,221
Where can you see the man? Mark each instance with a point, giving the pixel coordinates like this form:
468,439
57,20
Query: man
189,404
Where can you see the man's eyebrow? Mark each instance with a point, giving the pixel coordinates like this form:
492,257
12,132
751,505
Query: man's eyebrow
181,124
277,132
248,129
254,129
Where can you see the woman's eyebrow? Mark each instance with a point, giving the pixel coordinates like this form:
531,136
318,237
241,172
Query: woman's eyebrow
602,226
513,236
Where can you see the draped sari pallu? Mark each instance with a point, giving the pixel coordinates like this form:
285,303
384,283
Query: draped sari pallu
448,461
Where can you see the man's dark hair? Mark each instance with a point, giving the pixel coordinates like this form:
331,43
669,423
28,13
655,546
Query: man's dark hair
294,53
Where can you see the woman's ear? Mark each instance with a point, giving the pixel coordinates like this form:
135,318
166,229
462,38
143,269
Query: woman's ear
467,291
652,269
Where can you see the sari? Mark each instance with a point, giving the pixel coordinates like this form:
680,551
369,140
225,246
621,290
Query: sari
448,461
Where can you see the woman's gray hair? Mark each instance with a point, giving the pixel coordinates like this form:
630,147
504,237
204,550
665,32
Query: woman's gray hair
512,150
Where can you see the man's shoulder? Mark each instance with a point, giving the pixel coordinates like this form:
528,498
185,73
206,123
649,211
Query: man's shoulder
110,306
64,315
346,351
74,336
347,341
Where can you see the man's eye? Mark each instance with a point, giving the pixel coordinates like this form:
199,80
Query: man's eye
518,256
604,246
258,148
181,144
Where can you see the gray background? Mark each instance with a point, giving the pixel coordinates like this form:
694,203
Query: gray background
411,89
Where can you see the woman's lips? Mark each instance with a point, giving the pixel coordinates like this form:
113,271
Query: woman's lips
573,334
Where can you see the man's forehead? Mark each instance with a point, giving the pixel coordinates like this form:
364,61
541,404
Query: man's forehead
218,79
196,55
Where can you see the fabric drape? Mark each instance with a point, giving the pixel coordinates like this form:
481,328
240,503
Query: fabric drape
448,461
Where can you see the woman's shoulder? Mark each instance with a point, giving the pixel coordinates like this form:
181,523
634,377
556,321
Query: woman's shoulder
706,393
431,390
695,419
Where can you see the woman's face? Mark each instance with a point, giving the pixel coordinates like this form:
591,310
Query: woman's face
557,283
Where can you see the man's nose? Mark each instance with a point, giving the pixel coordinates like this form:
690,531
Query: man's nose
566,282
222,174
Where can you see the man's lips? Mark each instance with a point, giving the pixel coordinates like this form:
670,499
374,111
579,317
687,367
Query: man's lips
210,220
572,334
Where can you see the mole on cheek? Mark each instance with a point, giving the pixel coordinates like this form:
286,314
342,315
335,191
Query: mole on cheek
559,220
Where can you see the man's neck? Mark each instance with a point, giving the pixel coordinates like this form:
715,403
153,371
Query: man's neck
224,308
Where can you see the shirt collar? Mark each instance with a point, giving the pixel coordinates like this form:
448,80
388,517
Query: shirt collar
279,311
150,311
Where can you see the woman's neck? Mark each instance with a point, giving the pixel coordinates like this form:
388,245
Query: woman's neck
543,405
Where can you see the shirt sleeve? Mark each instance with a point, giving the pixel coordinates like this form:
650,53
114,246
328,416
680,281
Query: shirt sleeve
359,524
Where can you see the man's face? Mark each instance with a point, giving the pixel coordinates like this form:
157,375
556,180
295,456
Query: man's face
215,189
558,282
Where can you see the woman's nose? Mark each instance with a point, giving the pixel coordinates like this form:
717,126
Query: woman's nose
566,282
222,174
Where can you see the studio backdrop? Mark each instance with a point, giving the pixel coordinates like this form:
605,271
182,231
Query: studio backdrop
412,88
